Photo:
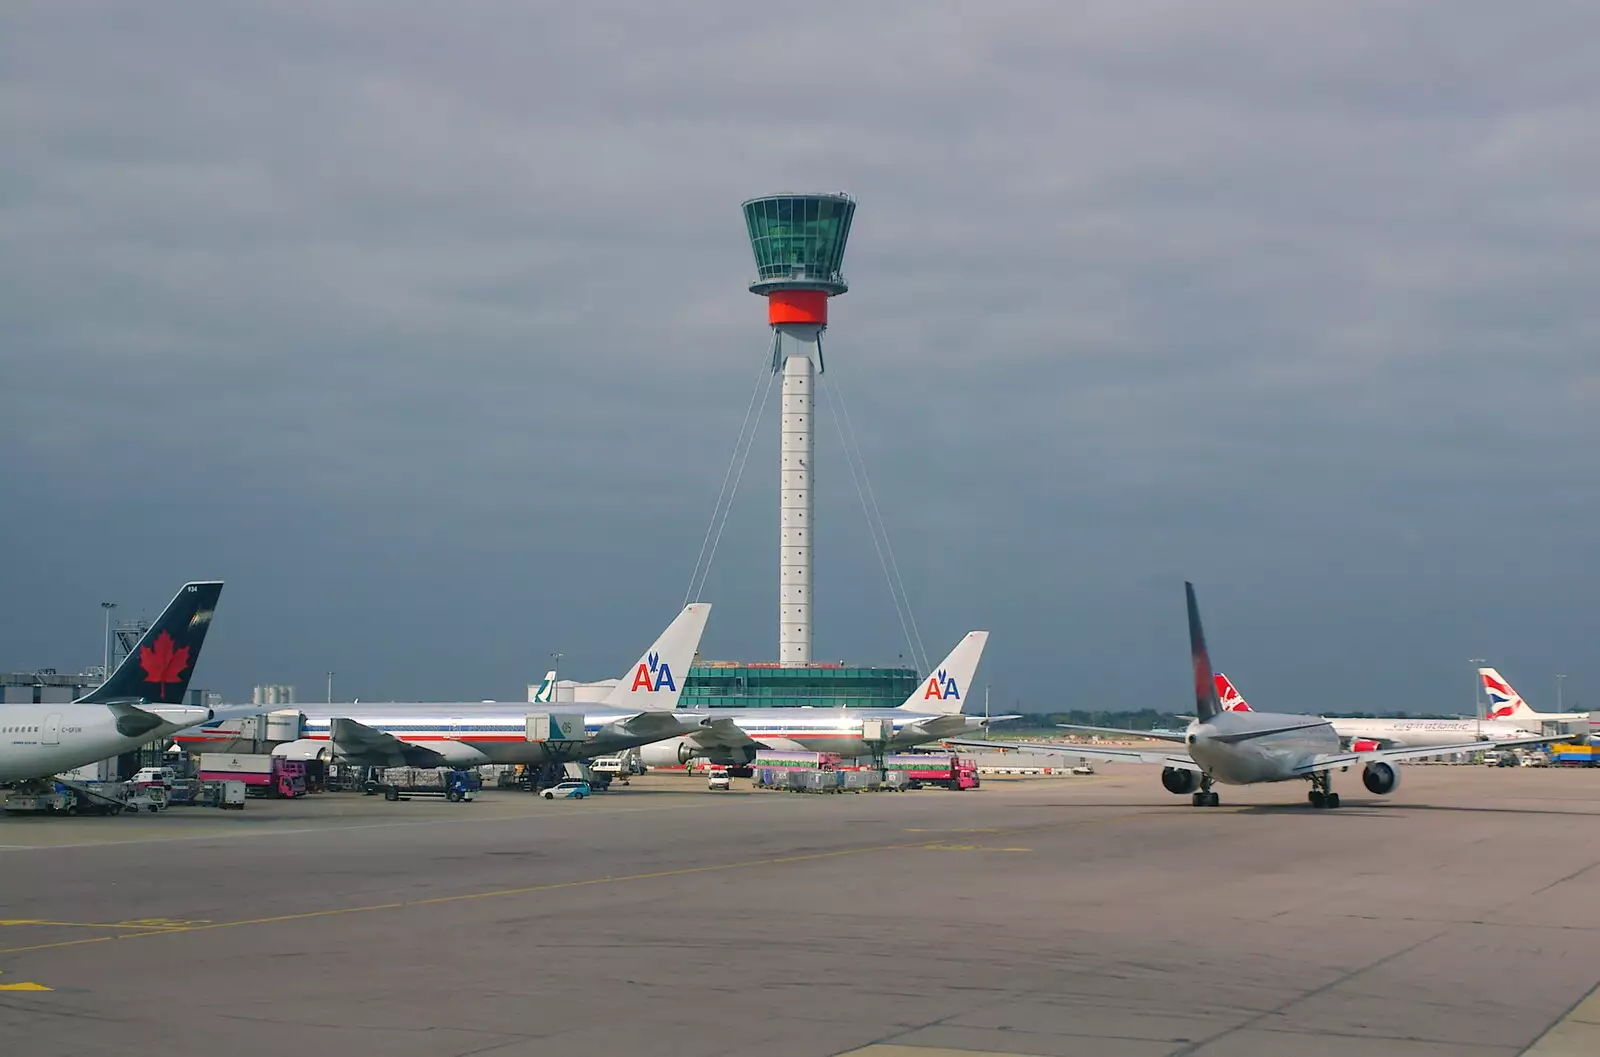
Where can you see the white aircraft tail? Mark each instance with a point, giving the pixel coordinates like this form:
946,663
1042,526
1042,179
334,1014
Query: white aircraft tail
547,689
1504,702
942,690
1228,694
655,681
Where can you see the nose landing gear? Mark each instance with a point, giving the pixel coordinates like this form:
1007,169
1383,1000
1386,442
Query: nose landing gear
1322,794
1205,797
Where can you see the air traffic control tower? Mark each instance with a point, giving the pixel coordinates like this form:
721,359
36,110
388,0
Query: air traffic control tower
799,243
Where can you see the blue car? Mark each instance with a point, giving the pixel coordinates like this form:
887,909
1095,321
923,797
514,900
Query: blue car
567,791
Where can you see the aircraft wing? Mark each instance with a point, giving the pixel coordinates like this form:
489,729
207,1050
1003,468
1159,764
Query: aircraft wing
359,743
724,732
1180,760
936,727
1153,735
1328,761
655,725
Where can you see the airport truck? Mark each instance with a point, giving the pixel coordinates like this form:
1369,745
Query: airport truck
262,774
926,768
404,783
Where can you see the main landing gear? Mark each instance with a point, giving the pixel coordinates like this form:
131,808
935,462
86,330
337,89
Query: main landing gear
1322,794
1205,797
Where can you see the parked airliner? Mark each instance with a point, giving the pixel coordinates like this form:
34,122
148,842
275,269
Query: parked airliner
638,710
1246,748
142,701
1366,734
733,736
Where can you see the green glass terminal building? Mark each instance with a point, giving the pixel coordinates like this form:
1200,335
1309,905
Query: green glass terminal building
719,684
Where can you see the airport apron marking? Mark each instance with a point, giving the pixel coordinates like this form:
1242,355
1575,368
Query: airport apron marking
555,886
24,986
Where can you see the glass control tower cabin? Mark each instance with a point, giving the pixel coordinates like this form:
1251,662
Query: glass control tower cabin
799,243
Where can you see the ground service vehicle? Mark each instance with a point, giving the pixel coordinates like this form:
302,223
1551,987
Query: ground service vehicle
261,774
717,778
567,791
797,761
404,783
925,768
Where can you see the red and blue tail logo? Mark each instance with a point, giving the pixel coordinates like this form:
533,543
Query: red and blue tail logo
1502,699
1229,695
652,675
941,687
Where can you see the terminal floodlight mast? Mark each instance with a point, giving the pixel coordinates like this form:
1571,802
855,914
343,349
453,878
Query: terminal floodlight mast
799,243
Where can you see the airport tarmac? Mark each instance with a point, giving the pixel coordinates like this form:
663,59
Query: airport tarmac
1054,916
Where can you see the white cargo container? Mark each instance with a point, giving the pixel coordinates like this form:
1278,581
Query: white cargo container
224,763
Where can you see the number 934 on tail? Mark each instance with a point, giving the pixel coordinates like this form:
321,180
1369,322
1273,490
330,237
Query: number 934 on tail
1246,748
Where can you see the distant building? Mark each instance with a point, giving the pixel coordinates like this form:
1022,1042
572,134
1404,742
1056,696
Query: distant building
273,694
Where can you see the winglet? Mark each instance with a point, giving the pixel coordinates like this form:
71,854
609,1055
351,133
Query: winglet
656,679
942,690
157,670
1206,704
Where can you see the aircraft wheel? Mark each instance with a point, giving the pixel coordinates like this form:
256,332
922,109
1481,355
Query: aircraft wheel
1213,800
72,809
1317,798
1333,800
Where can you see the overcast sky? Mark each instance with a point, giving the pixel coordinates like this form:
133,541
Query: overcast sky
425,327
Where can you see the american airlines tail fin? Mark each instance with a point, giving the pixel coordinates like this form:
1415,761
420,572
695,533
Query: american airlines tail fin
157,670
1206,704
942,690
547,689
654,683
1229,696
1504,702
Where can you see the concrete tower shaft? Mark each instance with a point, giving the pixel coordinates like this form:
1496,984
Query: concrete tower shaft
798,242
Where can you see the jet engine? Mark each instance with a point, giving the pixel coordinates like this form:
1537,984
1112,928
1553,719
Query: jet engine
1381,778
304,749
1179,781
674,752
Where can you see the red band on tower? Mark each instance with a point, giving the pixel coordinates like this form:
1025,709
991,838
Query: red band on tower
797,306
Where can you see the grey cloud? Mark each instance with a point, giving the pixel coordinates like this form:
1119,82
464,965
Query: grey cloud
440,312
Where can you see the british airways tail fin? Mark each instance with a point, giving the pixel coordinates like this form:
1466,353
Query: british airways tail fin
944,688
547,689
1504,702
1206,704
655,681
157,670
1228,695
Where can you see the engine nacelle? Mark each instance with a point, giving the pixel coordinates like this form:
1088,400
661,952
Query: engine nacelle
305,749
1381,778
674,752
1178,781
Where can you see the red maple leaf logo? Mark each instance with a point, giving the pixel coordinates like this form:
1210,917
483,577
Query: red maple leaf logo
163,664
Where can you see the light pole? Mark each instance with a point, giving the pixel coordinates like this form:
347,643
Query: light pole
330,687
1477,685
985,711
1559,680
555,674
105,668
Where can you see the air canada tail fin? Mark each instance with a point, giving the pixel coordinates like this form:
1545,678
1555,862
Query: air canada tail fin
1228,695
547,689
1206,704
943,689
157,670
656,679
1504,702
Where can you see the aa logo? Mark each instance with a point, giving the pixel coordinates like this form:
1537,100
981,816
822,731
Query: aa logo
941,687
653,674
